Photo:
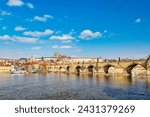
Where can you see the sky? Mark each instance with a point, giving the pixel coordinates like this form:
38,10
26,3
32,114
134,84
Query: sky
77,28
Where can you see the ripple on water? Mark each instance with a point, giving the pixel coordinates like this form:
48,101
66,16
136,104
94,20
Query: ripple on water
72,87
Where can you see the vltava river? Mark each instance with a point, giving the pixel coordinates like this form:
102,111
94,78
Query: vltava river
62,86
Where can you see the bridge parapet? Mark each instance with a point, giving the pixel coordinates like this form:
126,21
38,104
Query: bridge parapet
121,67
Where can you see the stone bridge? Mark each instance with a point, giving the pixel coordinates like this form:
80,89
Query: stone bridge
121,67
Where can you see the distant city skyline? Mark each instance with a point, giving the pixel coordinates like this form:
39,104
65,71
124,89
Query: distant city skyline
80,28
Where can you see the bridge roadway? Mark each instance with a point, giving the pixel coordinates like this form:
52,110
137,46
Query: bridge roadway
121,67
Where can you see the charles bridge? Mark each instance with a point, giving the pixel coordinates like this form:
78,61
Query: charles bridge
122,67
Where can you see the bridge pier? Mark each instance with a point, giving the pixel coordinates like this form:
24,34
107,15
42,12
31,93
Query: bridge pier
83,71
121,71
56,70
62,70
99,71
148,72
69,70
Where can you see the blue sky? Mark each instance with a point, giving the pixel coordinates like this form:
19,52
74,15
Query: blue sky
83,28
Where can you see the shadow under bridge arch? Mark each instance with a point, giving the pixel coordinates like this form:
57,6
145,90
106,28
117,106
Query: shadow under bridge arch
135,69
109,69
90,69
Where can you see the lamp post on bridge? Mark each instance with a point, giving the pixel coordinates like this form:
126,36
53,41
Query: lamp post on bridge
97,64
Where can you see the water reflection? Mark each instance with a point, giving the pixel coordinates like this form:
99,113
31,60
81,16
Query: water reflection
72,86
2,75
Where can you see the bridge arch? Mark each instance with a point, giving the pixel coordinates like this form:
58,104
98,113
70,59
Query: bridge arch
90,68
60,67
78,69
107,68
49,68
68,68
134,65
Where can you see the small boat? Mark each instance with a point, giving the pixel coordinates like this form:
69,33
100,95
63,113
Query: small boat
14,71
32,70
17,72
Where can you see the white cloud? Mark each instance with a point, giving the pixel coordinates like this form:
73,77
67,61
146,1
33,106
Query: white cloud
55,47
36,48
67,41
39,34
66,47
18,39
30,5
19,3
138,20
5,37
88,35
62,47
58,32
19,28
4,13
64,37
15,3
42,19
25,39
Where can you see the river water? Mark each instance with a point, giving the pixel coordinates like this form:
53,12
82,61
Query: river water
55,86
